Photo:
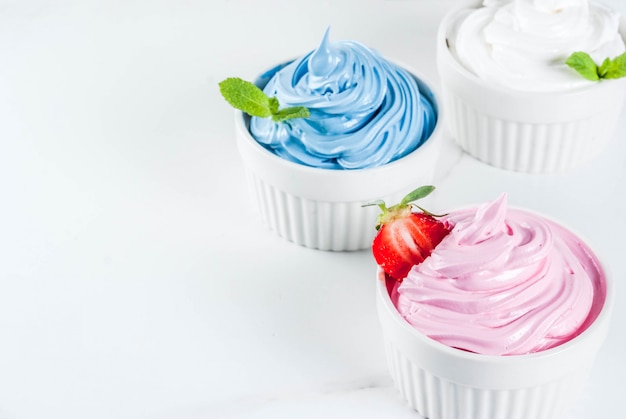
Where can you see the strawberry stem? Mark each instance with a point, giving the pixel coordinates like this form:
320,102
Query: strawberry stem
416,194
428,212
404,205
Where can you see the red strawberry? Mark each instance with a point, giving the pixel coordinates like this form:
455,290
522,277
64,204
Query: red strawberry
405,238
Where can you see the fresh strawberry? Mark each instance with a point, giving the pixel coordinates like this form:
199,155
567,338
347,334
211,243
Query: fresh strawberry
405,237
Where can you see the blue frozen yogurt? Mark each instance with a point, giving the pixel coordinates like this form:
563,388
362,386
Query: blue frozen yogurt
365,111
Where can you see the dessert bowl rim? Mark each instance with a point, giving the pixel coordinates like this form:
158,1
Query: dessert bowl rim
350,185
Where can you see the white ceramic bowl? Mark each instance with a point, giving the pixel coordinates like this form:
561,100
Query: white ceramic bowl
531,132
322,208
442,382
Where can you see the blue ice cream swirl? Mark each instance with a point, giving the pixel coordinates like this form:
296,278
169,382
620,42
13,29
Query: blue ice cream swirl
365,111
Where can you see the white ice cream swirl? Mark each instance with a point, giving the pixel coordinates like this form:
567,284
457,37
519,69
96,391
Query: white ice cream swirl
523,44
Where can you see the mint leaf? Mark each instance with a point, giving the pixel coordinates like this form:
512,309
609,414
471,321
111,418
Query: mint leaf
584,65
604,68
273,105
246,97
290,113
616,68
610,69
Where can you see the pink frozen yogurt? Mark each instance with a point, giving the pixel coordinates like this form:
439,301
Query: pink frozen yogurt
503,282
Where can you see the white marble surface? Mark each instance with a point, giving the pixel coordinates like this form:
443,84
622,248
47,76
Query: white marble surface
136,282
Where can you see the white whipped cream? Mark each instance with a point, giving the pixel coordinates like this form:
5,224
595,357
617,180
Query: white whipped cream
523,44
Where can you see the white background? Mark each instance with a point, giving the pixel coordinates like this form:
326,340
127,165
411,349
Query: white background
135,280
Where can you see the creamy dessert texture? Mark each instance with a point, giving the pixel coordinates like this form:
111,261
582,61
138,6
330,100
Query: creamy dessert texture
523,44
365,111
503,282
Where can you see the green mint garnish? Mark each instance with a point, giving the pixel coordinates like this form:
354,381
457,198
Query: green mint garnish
247,97
584,65
610,69
293,112
615,68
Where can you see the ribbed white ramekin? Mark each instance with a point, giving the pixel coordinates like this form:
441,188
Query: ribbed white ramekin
533,132
322,208
441,382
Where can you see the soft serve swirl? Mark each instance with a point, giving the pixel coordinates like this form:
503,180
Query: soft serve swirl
365,111
523,44
503,282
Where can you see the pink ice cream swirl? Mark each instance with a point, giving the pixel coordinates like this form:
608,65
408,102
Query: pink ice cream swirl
503,282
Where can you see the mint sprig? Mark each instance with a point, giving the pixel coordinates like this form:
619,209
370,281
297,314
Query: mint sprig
247,97
613,69
585,66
